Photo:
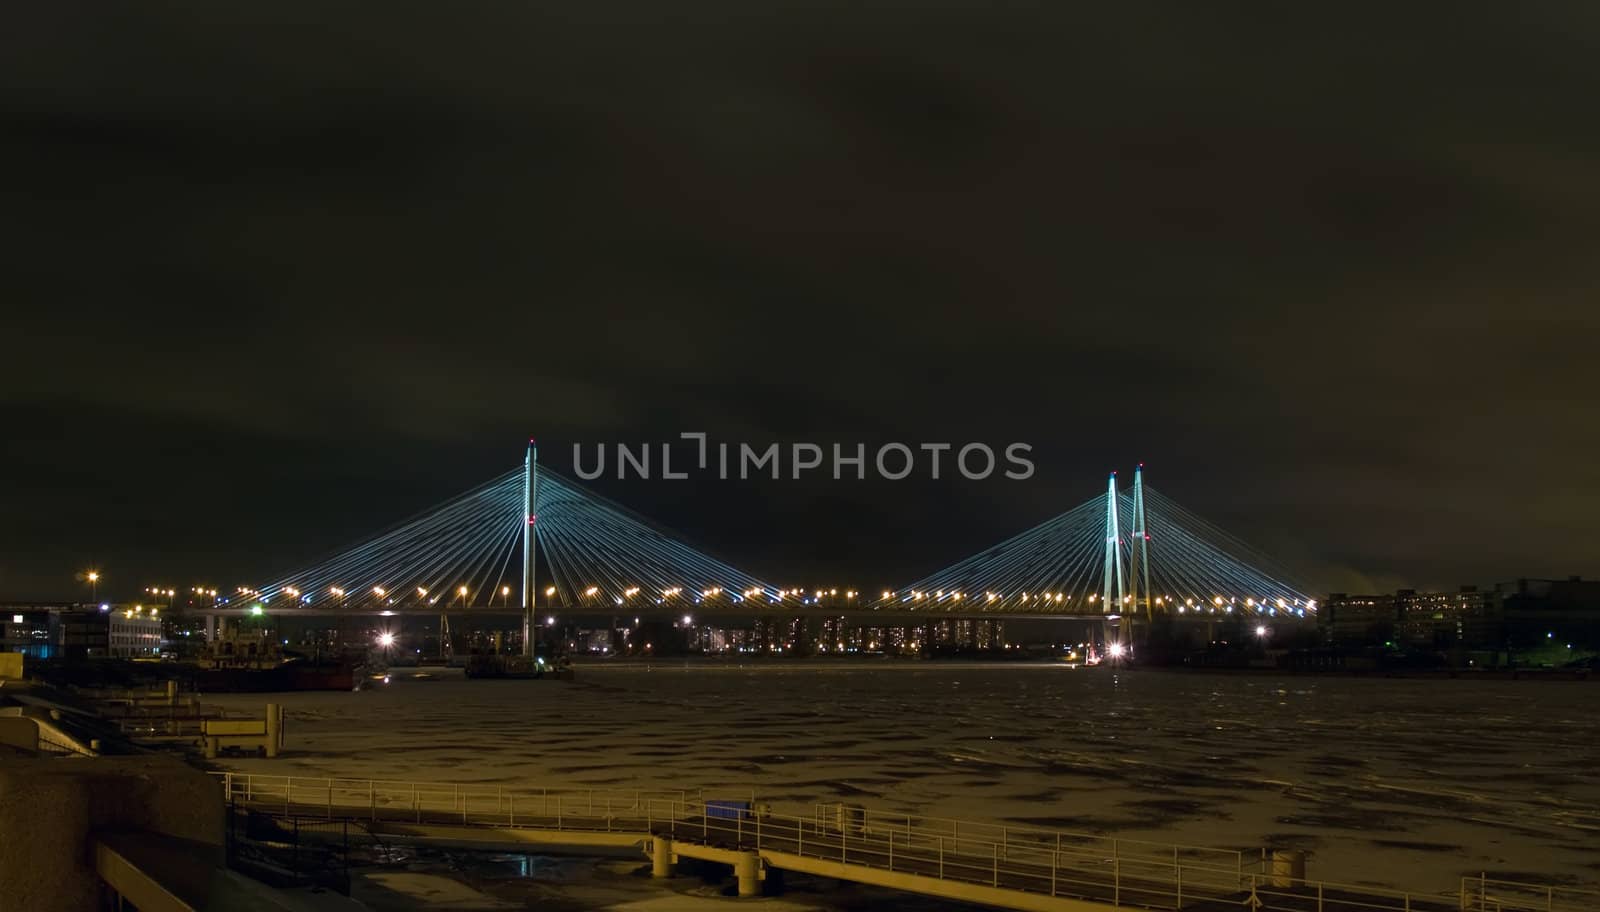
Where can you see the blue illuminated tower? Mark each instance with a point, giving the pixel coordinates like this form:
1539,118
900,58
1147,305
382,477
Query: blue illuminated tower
1138,549
530,480
1113,564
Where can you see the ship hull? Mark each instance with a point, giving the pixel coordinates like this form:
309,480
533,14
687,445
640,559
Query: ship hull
290,676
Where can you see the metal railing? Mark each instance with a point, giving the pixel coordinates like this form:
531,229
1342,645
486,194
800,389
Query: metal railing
1485,894
182,721
291,851
53,740
604,810
1085,866
133,884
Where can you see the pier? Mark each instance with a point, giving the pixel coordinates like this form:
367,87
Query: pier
1021,868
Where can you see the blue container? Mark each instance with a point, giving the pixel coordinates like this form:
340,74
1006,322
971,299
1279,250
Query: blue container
728,810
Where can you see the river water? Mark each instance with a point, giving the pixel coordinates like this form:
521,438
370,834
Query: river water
1410,784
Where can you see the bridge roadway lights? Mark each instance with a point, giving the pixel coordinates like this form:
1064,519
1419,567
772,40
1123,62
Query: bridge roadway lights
748,870
661,857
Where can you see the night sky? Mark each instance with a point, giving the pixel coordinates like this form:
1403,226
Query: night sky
281,274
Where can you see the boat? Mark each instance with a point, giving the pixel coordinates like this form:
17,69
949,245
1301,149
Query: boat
496,665
254,664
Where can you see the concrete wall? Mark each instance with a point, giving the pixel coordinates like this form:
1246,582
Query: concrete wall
49,807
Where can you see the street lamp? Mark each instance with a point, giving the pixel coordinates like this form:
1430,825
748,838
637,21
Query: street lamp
94,585
444,623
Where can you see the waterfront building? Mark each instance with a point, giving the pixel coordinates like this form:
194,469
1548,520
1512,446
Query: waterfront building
1518,615
70,630
26,629
1442,620
132,634
1550,613
1347,618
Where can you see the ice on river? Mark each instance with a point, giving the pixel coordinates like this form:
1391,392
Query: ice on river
1403,783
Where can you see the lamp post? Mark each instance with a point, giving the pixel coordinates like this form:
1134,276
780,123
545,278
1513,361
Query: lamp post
339,629
94,585
444,625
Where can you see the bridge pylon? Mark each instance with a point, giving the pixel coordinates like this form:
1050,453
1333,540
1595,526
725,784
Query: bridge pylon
1138,552
530,480
1112,597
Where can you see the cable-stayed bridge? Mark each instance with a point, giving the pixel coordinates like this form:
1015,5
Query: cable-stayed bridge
1126,553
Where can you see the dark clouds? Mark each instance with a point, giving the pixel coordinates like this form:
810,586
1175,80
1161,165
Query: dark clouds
282,273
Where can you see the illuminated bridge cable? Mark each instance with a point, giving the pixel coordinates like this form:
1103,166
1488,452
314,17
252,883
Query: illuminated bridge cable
1062,566
440,553
600,554
1057,557
1193,558
604,556
402,555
